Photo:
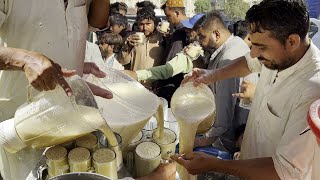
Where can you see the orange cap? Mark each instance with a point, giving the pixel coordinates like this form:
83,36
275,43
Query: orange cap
175,3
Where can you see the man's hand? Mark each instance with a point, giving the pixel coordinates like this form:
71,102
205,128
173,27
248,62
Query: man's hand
163,172
92,68
247,90
199,76
195,162
132,74
133,40
163,33
98,91
44,74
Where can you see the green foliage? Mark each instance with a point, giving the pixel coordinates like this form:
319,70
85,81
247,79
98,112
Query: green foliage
202,6
236,9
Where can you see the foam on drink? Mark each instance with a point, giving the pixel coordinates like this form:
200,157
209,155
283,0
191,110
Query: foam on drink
104,161
88,141
147,158
79,160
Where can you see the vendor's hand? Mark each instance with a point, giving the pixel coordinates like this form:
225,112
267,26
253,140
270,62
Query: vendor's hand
203,141
133,39
195,162
132,74
92,68
199,76
163,33
98,91
165,171
44,74
247,90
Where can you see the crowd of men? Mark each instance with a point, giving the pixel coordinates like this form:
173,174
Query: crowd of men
276,53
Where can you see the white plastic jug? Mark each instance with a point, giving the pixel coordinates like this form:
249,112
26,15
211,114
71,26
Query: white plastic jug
191,106
51,117
130,108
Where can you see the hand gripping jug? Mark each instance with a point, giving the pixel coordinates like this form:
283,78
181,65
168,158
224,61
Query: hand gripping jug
130,108
51,118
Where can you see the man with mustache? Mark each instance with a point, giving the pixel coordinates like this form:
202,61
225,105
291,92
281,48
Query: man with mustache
289,82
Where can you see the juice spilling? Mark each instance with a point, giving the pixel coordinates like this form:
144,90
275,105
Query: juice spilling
190,109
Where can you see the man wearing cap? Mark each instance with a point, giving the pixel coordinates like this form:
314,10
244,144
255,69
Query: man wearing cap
174,43
179,64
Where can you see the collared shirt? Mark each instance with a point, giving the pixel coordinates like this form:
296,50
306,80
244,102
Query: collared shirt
179,64
228,113
45,26
279,110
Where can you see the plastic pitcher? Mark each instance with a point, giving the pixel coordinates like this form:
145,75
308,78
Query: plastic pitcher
51,117
130,108
191,106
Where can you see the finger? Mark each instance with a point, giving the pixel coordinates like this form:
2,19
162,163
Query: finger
36,86
238,95
50,82
42,84
98,91
175,157
182,161
68,73
188,156
64,84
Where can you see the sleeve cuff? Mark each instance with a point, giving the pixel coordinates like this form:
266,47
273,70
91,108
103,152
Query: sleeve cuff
253,63
143,74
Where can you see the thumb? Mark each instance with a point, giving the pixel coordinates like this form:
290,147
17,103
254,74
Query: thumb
179,159
238,95
97,72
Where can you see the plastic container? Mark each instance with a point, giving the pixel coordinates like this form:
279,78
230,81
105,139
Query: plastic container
51,118
214,152
191,106
313,118
130,108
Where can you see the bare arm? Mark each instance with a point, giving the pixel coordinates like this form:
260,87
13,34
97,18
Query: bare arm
238,68
41,72
251,169
99,13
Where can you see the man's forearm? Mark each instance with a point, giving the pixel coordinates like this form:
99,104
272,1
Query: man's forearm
99,13
251,169
238,68
12,59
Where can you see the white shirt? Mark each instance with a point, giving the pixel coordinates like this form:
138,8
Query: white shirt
113,62
278,113
45,26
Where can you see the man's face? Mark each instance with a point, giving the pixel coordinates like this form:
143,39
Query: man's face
122,12
116,29
206,39
270,51
172,16
106,50
146,26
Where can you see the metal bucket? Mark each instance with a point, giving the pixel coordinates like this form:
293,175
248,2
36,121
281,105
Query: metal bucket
80,176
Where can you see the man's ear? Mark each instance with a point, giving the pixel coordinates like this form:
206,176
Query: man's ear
216,35
293,42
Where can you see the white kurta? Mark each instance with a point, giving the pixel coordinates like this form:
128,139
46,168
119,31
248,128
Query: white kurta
45,26
278,113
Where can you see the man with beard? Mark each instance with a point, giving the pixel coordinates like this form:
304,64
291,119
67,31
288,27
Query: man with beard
181,63
213,34
149,53
289,82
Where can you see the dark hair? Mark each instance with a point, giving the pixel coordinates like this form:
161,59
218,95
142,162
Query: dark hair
281,17
112,39
117,6
143,4
146,13
118,19
180,9
211,21
240,28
